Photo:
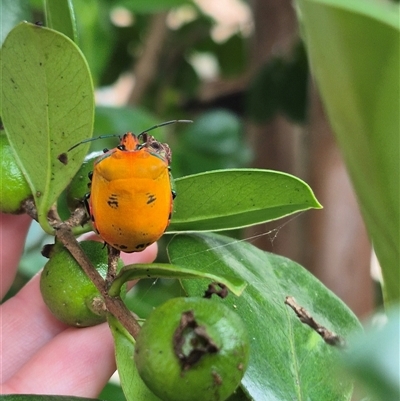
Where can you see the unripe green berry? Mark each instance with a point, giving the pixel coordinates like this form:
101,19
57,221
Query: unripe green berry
14,188
192,349
67,290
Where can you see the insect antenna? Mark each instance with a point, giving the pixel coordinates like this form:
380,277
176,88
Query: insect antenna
119,136
93,139
163,124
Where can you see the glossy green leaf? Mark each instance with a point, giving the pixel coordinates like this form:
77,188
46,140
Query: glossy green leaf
373,360
288,360
358,78
160,270
12,12
47,106
132,385
60,17
227,199
39,397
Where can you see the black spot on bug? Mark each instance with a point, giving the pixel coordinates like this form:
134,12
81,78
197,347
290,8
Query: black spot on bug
150,198
140,246
63,157
113,201
105,150
90,175
120,246
173,194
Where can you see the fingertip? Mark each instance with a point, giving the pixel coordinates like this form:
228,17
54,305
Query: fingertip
13,230
146,256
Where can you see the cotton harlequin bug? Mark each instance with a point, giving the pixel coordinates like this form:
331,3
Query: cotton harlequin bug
131,193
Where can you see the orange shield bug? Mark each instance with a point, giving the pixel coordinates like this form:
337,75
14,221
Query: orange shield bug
131,196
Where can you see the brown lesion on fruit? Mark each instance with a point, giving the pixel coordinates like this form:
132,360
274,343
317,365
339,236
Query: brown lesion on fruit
217,378
191,341
46,250
98,306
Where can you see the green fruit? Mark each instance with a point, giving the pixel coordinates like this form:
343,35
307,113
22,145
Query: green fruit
14,188
68,292
192,349
79,185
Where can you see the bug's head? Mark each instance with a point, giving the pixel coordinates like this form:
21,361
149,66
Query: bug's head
131,142
161,150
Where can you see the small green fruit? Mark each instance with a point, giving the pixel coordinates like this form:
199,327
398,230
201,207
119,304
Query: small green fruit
192,349
79,185
14,188
68,292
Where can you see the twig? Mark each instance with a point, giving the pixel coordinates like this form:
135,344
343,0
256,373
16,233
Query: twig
328,336
113,304
30,208
113,257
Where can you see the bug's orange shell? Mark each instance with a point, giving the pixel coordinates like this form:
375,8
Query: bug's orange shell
131,199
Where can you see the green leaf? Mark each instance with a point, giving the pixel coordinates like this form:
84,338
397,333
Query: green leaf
60,17
113,392
231,56
370,358
132,385
12,13
263,95
214,141
119,120
288,360
146,6
39,397
293,91
228,199
359,82
96,34
47,107
160,270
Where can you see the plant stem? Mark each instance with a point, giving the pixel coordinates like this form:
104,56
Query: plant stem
113,257
113,304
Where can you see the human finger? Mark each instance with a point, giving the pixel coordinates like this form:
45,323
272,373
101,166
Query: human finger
76,362
13,230
27,315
